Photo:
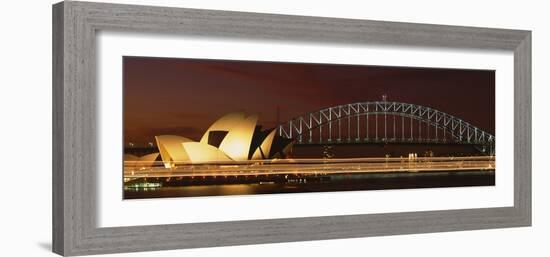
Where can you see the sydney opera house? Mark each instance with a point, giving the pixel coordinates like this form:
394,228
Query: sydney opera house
232,138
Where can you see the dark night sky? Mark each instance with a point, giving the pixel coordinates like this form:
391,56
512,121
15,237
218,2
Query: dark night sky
184,96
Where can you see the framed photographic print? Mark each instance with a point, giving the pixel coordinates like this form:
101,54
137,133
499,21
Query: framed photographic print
181,128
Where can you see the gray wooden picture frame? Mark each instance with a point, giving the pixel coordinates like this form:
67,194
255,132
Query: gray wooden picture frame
75,25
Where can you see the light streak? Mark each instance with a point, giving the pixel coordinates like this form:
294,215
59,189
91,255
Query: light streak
316,166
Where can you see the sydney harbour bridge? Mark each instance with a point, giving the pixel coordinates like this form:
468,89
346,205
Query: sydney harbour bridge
384,122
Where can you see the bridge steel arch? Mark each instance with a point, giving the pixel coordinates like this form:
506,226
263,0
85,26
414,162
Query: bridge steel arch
446,128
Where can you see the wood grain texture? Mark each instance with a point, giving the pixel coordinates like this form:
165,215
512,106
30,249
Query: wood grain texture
522,128
74,121
57,124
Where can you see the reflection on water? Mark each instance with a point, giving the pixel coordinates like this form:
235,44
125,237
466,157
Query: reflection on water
470,178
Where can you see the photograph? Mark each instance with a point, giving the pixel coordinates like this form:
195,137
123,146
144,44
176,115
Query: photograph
207,127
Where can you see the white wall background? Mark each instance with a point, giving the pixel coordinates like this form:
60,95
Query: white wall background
25,127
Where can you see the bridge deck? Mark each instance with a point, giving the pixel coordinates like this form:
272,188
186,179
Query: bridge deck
355,141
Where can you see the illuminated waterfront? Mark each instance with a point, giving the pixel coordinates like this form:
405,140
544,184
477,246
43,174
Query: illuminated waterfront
308,175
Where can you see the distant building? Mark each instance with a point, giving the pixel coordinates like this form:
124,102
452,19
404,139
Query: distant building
145,161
